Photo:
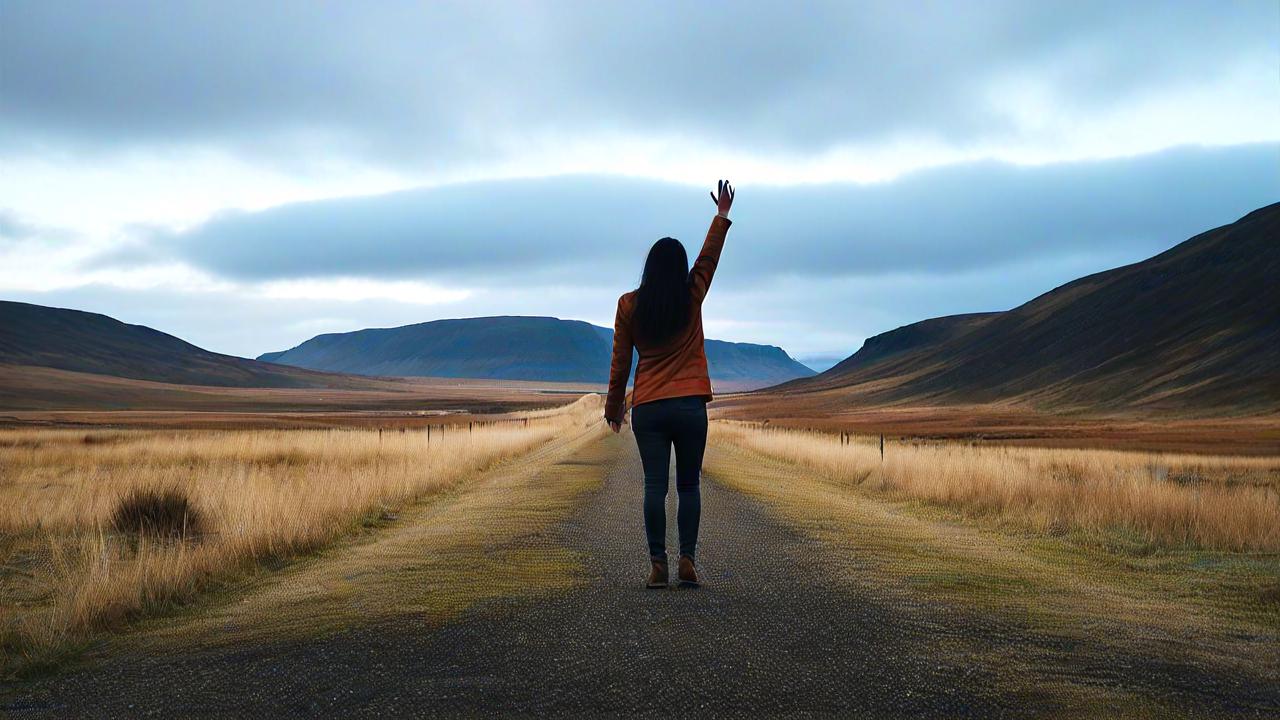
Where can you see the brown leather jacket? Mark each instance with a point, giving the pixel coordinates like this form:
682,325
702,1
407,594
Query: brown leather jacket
678,367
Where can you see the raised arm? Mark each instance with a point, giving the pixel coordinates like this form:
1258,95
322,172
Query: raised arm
619,367
704,268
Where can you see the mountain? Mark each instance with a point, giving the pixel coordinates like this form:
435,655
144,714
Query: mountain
35,335
1195,327
749,364
507,348
914,337
513,348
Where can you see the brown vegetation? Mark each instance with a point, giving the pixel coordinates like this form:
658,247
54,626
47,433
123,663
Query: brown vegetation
39,394
1091,598
259,496
1009,424
1219,502
162,513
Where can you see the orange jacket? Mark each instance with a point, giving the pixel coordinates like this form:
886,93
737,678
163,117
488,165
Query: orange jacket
678,367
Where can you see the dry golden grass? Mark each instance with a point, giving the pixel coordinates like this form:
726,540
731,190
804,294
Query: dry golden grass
1215,502
1088,604
263,495
488,538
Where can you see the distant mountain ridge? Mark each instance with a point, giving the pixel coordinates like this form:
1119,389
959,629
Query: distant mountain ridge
88,342
513,347
1195,327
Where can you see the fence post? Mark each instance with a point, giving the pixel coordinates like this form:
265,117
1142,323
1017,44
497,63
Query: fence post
881,448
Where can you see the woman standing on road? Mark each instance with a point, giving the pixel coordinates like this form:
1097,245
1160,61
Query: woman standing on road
662,319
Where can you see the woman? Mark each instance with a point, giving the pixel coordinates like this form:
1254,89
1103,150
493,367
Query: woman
662,319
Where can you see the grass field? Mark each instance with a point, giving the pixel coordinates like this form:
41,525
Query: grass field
1158,557
1188,542
1164,499
40,395
100,527
1011,424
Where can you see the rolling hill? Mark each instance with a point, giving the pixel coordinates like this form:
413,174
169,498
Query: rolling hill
84,342
513,348
914,337
1195,327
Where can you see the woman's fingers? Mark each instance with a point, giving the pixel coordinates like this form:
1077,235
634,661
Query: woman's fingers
725,192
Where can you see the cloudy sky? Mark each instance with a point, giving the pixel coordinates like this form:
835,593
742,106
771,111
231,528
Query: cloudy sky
247,175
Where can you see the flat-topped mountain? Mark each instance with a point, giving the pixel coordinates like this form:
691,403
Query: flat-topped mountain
1195,327
513,348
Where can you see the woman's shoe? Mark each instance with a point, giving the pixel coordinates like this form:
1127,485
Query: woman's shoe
657,576
687,574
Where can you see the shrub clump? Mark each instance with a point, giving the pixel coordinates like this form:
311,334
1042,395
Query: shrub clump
164,513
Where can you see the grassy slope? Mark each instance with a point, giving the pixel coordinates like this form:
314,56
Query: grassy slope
1194,327
34,335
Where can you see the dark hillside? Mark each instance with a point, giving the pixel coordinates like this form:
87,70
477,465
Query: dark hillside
87,342
1197,326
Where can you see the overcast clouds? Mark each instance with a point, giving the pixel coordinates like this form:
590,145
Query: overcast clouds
311,168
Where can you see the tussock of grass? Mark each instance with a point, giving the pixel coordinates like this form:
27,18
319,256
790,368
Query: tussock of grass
163,513
71,509
1160,500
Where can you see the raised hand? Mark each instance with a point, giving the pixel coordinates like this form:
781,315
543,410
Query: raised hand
725,200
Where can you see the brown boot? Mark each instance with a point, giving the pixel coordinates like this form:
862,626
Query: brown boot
657,576
687,574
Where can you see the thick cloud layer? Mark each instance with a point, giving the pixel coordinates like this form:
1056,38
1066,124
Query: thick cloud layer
433,84
555,230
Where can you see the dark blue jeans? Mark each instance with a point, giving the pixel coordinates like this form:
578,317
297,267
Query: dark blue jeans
680,422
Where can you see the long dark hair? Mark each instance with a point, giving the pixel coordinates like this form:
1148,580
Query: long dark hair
662,300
